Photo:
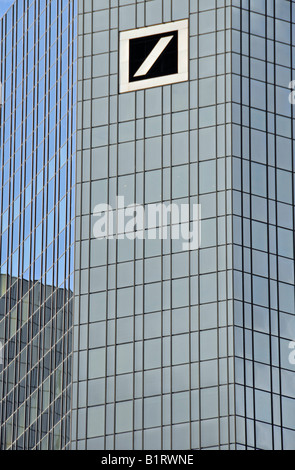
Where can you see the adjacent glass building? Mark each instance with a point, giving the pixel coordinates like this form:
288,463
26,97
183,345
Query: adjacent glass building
37,176
174,349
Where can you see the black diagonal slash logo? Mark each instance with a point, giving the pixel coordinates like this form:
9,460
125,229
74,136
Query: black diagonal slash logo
153,56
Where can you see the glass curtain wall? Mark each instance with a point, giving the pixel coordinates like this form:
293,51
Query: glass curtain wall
263,207
153,340
37,177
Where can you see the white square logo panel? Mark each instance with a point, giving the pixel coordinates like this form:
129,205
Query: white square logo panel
154,56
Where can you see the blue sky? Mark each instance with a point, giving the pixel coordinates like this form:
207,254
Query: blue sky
4,5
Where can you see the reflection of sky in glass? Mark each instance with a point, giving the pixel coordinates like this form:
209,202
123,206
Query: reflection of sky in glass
4,5
41,147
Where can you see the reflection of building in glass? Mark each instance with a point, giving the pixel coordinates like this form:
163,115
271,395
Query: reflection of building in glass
36,375
37,148
179,350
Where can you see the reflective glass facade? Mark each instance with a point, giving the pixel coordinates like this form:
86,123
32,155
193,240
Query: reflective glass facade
263,222
172,349
37,176
153,334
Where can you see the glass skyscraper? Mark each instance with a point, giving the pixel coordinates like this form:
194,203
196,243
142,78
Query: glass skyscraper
139,342
37,177
154,325
182,349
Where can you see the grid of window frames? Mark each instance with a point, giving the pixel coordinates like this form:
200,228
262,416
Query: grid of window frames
153,328
37,157
263,64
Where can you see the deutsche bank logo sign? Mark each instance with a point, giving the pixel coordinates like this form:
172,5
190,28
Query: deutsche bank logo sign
154,56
